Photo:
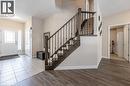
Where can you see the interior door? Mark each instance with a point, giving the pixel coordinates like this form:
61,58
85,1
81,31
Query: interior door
129,42
126,42
120,44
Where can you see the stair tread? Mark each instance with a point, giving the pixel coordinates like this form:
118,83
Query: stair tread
61,57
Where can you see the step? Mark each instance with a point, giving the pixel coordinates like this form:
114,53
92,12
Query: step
74,38
60,55
47,67
69,45
62,50
65,50
55,57
64,46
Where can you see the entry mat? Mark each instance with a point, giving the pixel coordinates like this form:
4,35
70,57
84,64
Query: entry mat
9,57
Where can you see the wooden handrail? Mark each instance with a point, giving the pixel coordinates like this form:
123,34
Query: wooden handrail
88,12
62,26
70,20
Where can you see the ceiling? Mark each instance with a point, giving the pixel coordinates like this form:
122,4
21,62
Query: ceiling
110,7
42,8
39,8
27,8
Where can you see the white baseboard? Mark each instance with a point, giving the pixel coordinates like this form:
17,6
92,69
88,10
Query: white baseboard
99,62
105,57
76,67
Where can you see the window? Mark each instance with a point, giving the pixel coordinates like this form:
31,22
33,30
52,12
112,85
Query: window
9,36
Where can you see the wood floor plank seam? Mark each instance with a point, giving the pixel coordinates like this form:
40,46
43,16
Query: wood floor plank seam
109,73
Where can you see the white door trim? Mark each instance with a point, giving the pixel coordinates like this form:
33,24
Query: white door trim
108,41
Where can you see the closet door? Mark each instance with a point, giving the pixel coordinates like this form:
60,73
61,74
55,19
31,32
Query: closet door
120,44
129,42
126,42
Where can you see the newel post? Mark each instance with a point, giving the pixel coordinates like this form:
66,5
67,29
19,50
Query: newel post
46,50
79,20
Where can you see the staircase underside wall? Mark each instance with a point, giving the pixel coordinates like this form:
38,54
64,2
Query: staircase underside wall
84,57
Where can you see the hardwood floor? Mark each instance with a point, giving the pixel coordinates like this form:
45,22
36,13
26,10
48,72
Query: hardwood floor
116,57
109,73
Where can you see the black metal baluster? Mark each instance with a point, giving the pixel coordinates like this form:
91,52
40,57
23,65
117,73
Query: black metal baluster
85,30
55,42
69,30
63,34
84,24
66,32
52,46
47,51
87,23
93,24
58,40
74,26
71,27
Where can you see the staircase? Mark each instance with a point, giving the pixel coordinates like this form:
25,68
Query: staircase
67,39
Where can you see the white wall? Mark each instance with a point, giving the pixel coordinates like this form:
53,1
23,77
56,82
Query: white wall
28,44
66,9
37,35
126,42
84,57
11,25
114,20
96,26
55,21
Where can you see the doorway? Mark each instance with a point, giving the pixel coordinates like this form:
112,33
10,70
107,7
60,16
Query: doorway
119,42
28,42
